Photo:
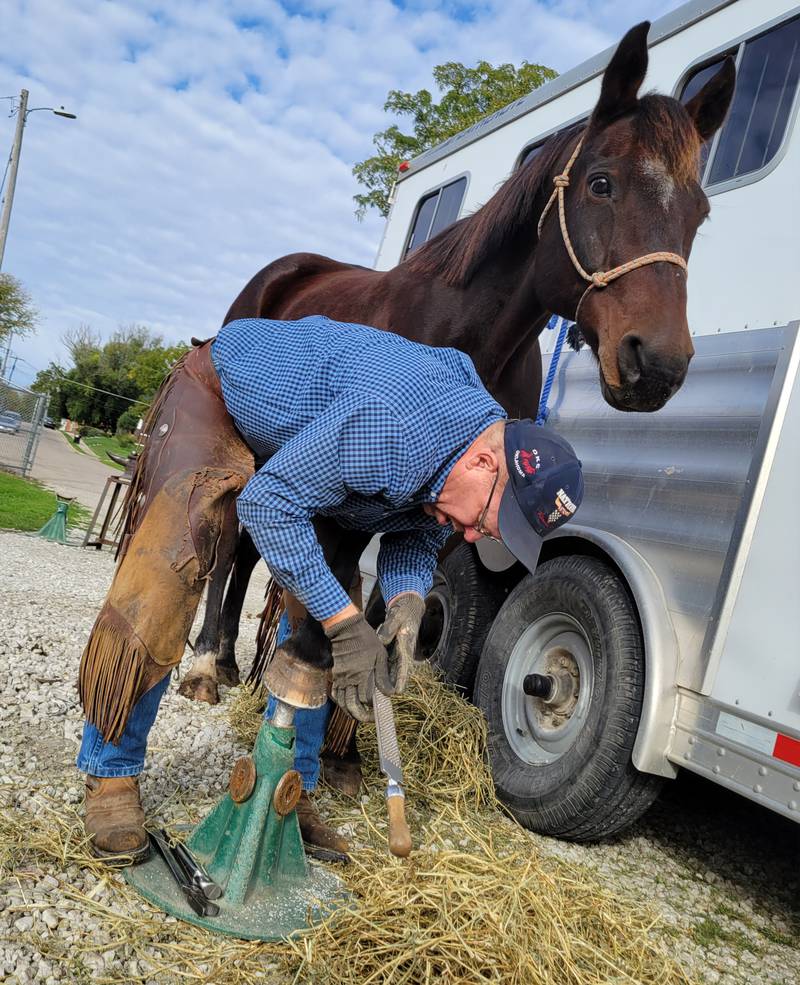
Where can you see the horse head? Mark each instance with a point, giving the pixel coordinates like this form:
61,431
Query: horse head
632,193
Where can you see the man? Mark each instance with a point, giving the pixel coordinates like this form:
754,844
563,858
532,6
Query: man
357,426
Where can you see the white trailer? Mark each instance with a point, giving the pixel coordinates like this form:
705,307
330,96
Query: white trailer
665,620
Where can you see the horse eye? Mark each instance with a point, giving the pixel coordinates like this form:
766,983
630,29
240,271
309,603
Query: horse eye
600,185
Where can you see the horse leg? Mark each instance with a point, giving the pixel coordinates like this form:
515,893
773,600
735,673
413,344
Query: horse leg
200,683
247,557
342,551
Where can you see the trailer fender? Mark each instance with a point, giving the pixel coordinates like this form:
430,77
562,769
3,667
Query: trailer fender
660,641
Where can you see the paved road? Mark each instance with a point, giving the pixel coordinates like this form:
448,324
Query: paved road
67,471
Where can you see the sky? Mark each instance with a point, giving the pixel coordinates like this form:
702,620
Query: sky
214,136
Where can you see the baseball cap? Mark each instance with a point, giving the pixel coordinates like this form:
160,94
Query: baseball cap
544,489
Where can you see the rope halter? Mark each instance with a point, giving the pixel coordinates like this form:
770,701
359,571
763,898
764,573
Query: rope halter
600,278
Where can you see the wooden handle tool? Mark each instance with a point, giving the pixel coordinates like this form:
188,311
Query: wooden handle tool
389,757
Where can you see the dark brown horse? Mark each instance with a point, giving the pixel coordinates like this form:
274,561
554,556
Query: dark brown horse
488,283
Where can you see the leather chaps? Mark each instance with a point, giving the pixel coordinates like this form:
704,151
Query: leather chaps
180,510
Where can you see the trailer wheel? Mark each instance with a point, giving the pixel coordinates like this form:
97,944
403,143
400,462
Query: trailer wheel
459,610
562,762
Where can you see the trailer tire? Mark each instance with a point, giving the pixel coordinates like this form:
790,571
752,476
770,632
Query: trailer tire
459,610
564,767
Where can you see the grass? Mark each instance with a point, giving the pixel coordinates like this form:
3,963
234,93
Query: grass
710,933
25,505
103,444
768,932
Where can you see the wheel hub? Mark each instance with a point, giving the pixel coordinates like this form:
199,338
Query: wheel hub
561,670
547,688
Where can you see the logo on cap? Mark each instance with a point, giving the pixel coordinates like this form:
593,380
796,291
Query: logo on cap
564,504
564,508
527,462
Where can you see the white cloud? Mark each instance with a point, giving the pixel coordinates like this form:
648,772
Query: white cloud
214,137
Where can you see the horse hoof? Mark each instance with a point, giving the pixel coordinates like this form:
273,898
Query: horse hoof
200,688
342,774
228,674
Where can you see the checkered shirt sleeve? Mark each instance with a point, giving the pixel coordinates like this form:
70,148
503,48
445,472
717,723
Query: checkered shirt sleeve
357,446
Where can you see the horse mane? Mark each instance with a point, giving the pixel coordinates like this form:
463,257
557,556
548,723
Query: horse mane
662,128
458,251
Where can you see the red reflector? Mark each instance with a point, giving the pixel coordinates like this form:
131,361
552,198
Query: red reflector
787,749
403,166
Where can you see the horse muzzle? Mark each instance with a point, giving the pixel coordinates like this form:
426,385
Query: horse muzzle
646,379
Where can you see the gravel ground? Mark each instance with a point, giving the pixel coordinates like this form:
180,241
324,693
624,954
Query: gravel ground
721,873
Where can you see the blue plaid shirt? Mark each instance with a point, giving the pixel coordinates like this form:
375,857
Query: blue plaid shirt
353,423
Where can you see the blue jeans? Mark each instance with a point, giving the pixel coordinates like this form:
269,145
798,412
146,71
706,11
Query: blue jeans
100,758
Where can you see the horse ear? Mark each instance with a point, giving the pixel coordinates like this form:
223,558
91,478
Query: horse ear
710,106
623,77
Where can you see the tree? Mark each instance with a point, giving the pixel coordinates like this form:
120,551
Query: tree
107,379
469,94
17,314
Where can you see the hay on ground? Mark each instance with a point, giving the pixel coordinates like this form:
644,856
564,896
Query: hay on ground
477,901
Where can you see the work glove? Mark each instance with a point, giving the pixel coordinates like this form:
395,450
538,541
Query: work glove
356,652
399,634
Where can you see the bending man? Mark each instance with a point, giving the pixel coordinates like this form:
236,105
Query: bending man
363,432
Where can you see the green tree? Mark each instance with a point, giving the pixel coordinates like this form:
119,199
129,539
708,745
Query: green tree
127,421
17,314
468,95
107,379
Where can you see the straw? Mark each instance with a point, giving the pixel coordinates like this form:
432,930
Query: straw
477,902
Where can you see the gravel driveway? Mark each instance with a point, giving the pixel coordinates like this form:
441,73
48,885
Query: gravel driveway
721,872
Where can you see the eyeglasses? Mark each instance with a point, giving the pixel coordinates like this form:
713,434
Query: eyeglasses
479,525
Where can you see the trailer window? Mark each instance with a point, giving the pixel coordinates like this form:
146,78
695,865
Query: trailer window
766,85
435,212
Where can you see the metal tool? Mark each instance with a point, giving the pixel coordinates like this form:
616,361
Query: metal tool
196,874
389,758
194,896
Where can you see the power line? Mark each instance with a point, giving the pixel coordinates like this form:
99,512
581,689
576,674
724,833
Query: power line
86,386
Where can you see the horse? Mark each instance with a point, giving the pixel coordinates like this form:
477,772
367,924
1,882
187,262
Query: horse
619,195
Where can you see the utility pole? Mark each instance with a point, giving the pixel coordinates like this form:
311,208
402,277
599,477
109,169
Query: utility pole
8,201
6,354
12,172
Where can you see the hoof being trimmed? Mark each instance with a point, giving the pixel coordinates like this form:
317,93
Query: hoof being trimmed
200,687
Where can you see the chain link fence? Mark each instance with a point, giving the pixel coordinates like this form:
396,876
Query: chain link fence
21,416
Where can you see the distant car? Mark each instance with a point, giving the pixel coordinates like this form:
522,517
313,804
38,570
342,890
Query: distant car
10,421
48,422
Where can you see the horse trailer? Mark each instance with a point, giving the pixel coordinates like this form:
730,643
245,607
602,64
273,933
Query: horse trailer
661,628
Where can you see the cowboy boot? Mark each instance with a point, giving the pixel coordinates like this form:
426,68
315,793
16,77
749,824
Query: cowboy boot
114,818
314,830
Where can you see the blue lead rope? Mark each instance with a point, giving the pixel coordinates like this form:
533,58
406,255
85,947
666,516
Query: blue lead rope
544,412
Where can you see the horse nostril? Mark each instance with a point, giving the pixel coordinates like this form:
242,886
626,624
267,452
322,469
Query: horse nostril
632,359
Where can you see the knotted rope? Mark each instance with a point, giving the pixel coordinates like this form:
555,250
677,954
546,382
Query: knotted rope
600,278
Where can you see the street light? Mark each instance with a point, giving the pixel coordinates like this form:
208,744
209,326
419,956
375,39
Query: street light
22,117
